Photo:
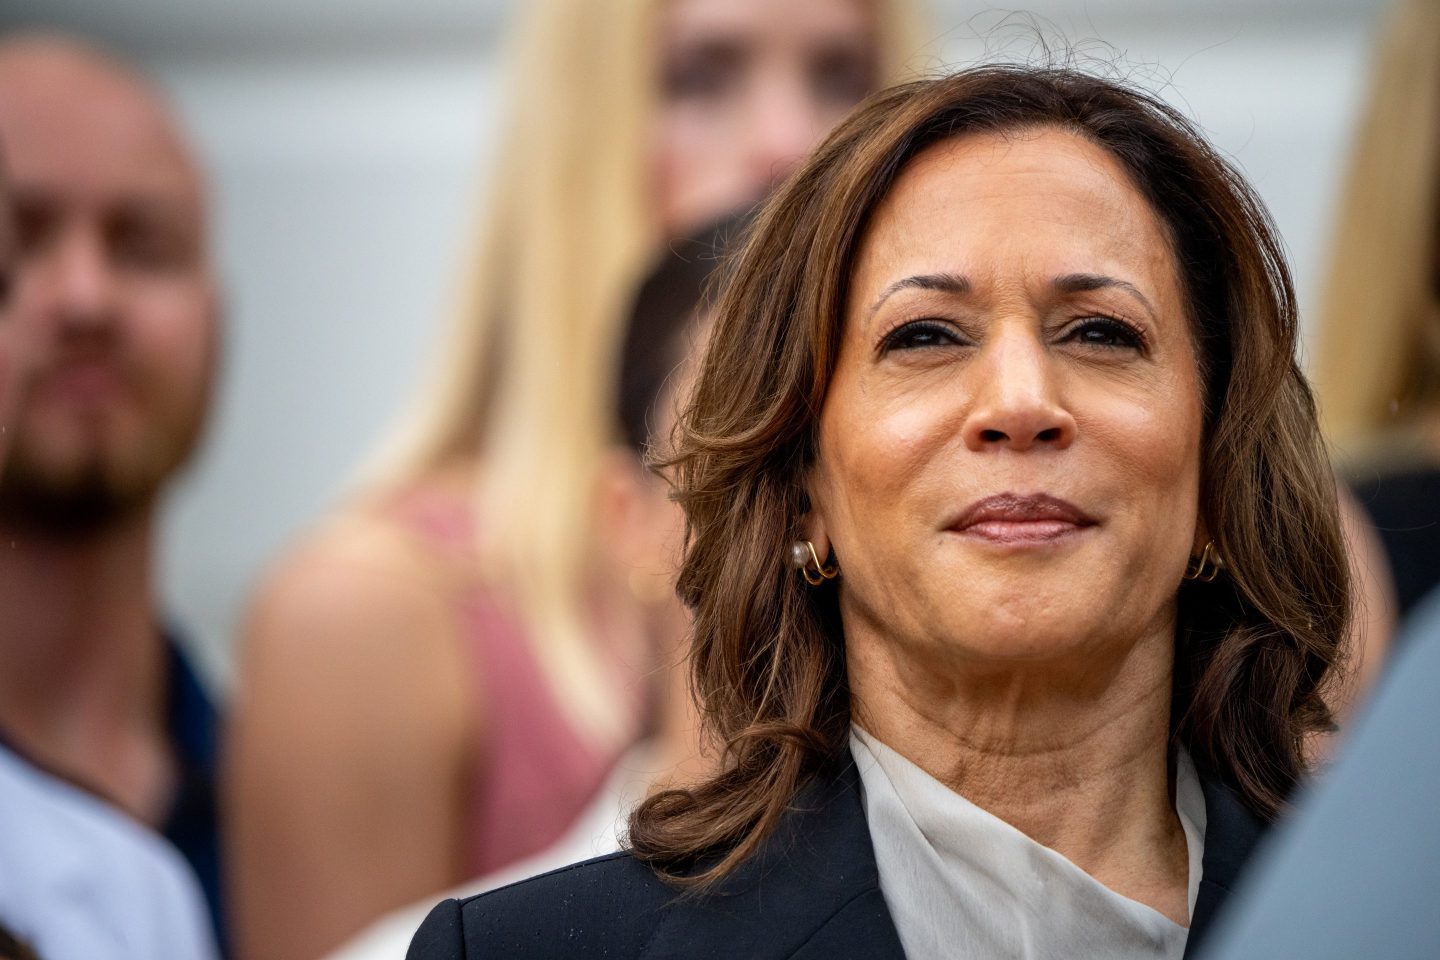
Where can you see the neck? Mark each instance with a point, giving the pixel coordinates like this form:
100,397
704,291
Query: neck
682,760
1073,756
82,669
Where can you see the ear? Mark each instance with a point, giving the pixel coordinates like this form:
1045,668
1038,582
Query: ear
813,529
616,507
1202,535
813,526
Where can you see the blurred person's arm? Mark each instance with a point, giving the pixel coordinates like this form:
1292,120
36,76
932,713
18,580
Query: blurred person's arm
347,775
1371,626
1375,614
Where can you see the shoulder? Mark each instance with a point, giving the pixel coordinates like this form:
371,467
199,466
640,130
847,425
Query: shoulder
811,885
364,555
602,907
358,603
350,587
95,881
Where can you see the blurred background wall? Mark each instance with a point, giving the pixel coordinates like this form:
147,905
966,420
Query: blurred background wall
347,140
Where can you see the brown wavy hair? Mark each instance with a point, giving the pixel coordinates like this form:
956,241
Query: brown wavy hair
1253,647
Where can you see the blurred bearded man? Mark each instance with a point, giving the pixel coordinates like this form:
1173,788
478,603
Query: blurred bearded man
79,878
116,301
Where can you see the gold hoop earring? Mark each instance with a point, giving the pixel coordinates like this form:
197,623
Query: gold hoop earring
807,561
1207,566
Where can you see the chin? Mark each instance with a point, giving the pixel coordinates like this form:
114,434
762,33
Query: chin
1021,646
1025,623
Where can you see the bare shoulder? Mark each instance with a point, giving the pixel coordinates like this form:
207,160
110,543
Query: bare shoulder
356,575
367,605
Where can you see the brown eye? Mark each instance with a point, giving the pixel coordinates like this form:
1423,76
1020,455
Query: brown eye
1107,332
842,77
918,335
150,243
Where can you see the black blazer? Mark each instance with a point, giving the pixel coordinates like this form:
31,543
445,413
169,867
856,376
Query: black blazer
812,892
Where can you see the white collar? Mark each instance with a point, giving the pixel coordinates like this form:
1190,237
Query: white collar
960,882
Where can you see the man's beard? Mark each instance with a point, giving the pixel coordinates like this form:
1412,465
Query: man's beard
94,491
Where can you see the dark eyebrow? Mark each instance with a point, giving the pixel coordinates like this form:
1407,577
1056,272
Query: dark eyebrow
951,283
1086,282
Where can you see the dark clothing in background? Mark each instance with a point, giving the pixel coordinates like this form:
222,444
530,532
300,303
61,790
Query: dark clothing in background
812,892
1404,506
192,825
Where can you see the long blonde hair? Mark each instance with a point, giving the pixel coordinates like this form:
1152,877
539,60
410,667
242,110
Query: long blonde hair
526,374
1378,361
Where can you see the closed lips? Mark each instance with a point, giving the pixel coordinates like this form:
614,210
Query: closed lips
1016,518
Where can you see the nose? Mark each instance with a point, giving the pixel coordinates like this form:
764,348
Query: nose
76,282
1017,404
786,124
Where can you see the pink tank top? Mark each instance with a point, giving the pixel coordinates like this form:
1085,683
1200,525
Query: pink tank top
533,774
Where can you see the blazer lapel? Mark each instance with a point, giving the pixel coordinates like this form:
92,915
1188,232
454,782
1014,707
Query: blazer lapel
811,893
1231,832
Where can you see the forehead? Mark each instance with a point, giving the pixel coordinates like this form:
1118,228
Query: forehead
1047,201
83,132
771,20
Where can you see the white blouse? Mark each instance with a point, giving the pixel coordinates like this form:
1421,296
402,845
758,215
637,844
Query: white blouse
962,883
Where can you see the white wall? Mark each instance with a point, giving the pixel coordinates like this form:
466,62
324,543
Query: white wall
345,140
345,199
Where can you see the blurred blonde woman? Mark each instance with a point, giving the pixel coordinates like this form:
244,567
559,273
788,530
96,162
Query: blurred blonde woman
435,682
1377,369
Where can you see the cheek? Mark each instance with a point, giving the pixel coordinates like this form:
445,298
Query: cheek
173,336
1145,442
27,310
1152,440
875,457
7,372
687,133
698,175
682,147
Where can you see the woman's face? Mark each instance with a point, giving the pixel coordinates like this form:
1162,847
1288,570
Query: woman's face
747,88
1009,455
